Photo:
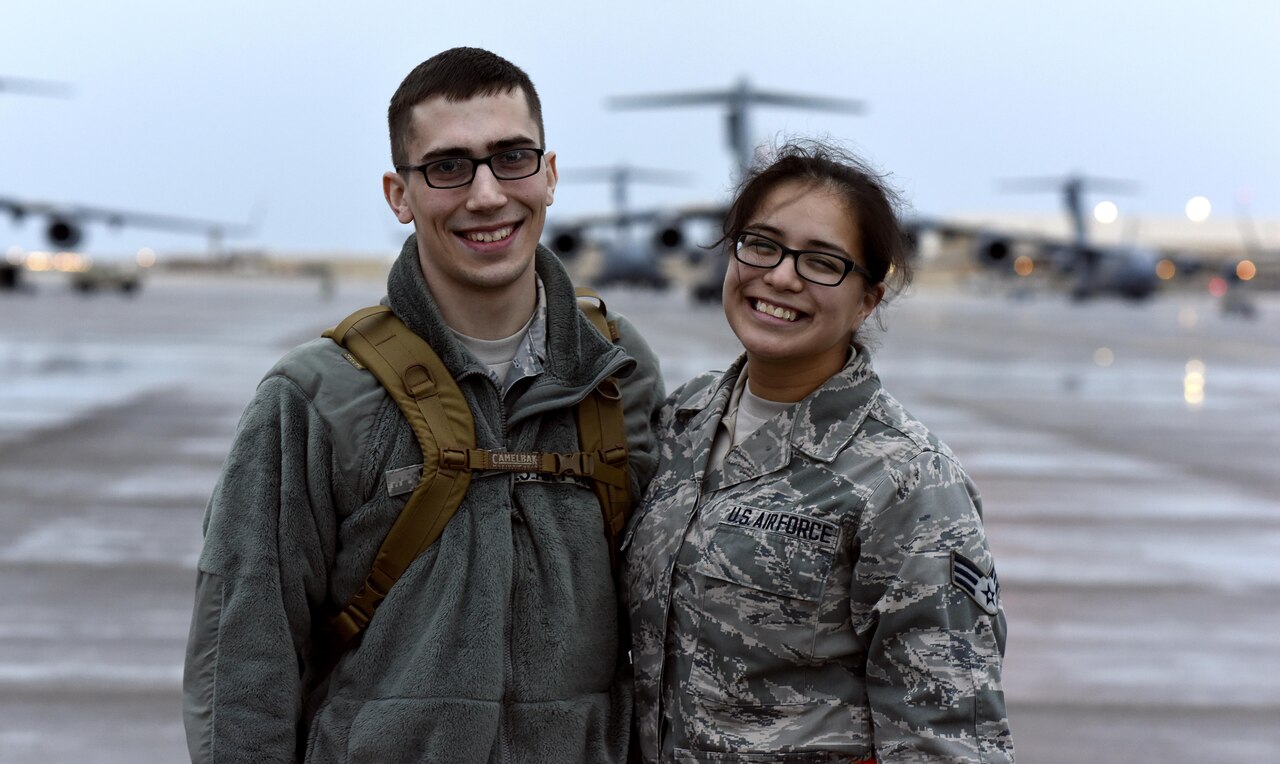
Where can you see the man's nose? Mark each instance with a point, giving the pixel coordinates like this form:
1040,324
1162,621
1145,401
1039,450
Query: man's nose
486,190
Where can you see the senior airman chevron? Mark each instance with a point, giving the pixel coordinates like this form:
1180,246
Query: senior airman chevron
983,588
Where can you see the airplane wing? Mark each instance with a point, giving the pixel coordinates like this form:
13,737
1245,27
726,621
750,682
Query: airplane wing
691,98
25,86
746,94
21,208
808,102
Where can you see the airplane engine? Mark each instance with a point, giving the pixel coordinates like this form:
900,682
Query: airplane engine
668,236
566,242
63,233
994,252
10,277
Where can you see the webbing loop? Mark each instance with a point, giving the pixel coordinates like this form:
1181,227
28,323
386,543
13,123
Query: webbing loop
418,383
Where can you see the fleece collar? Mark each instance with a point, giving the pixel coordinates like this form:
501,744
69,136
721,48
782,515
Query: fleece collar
570,337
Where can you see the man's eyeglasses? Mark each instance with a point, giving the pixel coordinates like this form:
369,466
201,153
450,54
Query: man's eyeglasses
818,267
510,164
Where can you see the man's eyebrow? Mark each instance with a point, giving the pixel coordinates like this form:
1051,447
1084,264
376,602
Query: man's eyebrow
451,152
815,244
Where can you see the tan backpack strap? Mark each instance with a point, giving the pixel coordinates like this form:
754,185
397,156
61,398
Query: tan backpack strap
592,306
592,464
602,431
430,399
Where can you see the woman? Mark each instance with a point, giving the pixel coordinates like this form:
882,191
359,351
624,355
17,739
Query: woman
808,578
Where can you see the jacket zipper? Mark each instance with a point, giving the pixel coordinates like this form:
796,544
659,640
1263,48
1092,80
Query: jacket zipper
508,679
508,664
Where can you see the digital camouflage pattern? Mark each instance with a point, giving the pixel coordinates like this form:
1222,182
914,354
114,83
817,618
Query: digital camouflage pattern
801,603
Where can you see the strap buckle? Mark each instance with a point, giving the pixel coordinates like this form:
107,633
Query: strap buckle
457,459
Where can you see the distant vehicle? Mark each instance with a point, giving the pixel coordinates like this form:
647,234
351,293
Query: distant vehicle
64,231
107,278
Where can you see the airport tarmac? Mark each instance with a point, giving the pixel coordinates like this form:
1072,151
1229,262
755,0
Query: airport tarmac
1125,454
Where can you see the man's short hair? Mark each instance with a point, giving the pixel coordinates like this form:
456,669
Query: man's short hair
458,74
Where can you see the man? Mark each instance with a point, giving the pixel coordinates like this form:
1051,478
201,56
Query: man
500,642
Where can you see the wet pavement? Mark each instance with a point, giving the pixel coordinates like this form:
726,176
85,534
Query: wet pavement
1124,453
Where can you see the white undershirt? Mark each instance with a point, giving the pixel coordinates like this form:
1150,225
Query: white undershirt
496,354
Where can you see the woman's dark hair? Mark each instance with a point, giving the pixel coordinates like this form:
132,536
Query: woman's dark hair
870,198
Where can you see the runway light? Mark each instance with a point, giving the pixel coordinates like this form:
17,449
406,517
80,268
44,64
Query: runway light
1106,212
67,262
1193,384
146,257
1217,286
1104,357
1023,266
15,255
38,261
1198,209
1246,270
1165,269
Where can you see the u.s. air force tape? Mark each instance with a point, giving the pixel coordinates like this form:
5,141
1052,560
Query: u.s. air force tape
982,588
808,529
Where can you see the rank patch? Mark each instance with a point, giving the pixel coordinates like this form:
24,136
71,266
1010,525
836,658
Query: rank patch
403,480
982,588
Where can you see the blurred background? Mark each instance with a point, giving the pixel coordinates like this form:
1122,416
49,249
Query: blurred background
1092,191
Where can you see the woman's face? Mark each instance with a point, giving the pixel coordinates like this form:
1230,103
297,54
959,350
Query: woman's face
781,318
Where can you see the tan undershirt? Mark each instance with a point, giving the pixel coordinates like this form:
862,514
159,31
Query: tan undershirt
745,414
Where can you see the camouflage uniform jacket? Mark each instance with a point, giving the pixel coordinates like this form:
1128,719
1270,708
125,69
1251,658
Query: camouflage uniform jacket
824,595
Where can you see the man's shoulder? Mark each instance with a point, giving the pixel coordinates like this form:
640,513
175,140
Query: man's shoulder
326,374
631,340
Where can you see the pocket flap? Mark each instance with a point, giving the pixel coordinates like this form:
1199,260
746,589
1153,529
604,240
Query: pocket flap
790,563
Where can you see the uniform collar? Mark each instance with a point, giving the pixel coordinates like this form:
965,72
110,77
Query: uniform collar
820,426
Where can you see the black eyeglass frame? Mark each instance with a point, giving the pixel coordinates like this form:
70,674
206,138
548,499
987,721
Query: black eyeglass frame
476,163
849,265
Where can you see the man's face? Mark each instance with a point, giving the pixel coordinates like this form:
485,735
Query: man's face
479,237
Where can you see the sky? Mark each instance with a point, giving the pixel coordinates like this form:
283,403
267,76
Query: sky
275,111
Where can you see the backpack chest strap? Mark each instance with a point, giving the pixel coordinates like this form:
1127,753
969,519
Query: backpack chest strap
605,466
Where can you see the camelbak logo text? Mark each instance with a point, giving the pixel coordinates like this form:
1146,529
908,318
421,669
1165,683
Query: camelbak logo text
503,460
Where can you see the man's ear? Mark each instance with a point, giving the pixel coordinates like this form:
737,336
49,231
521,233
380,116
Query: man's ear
395,191
549,159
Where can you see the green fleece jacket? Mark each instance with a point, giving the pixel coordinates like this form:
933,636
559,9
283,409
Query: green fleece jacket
499,644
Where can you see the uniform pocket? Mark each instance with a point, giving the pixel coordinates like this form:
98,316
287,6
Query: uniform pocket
759,606
199,678
792,566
